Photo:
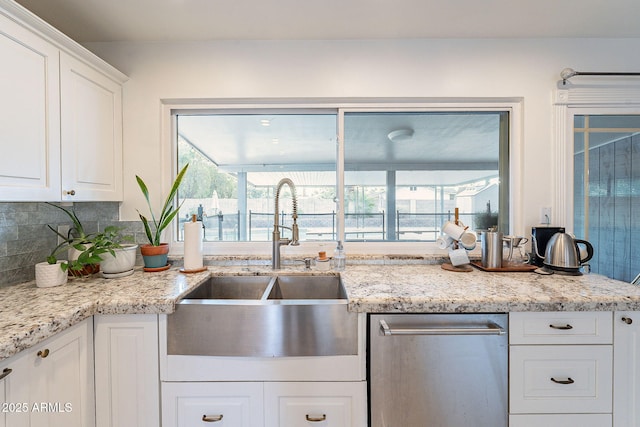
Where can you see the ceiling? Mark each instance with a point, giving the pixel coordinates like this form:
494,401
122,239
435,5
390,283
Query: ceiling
439,148
181,20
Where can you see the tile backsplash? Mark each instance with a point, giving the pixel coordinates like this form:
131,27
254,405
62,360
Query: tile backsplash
26,240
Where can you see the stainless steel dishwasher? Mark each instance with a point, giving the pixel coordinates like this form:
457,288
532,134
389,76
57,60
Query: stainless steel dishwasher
438,370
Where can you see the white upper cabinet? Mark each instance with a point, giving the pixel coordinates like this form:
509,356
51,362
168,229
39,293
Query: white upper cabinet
29,115
60,115
91,127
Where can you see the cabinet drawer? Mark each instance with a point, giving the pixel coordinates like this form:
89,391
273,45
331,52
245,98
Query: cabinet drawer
561,328
234,404
561,379
560,420
315,404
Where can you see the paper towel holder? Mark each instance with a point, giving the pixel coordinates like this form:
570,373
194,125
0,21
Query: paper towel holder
194,218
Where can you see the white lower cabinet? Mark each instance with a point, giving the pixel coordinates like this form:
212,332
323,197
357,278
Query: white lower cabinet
561,369
227,404
291,404
51,384
560,379
126,370
14,391
268,404
626,380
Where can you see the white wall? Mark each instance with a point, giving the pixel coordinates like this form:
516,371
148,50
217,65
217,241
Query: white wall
441,68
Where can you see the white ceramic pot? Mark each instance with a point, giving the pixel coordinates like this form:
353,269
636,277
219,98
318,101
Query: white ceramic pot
49,275
123,261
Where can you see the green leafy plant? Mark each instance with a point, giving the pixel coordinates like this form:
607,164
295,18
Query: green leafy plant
111,238
75,232
53,256
168,212
89,245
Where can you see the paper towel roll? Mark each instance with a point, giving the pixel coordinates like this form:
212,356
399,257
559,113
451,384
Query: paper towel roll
193,234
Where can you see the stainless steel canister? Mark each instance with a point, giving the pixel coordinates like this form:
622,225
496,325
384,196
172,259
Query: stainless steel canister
491,249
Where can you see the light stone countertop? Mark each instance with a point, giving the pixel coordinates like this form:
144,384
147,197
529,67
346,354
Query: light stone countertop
29,315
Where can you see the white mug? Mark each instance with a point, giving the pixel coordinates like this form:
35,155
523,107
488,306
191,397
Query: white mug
458,257
468,240
453,230
444,242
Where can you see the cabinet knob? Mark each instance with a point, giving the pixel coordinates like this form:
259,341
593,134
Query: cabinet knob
5,373
212,418
43,353
70,192
562,327
627,320
316,418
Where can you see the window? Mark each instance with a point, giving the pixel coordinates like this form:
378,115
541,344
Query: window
406,172
236,160
374,174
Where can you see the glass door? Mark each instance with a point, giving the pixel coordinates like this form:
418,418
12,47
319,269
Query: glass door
607,191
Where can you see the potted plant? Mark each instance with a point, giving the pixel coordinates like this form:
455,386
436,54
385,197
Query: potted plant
155,253
84,258
120,257
52,272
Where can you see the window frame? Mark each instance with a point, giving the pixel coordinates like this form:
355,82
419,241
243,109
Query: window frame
341,106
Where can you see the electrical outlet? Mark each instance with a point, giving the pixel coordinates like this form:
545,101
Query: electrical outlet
545,216
64,230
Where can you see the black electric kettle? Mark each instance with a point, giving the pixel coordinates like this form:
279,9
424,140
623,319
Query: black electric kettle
563,253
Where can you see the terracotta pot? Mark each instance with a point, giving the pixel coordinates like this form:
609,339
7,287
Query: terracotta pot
155,256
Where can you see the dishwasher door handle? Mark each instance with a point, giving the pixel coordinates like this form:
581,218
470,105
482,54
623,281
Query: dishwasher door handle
489,329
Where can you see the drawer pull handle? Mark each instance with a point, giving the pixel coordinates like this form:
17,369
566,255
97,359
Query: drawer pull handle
212,418
567,381
316,418
70,192
627,320
561,327
43,353
5,373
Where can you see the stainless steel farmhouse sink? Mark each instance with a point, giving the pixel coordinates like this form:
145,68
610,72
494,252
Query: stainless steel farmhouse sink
264,316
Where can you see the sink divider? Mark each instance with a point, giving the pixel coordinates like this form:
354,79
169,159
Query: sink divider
269,287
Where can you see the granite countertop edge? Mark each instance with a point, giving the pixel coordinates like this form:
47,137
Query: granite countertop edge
29,315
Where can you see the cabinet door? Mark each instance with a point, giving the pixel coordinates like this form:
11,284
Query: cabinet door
560,379
29,116
14,391
91,133
315,404
568,327
626,381
61,379
225,404
126,365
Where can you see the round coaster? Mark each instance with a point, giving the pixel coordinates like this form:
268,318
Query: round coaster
460,268
197,270
155,269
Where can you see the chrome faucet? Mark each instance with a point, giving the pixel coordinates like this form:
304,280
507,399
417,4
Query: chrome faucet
277,241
